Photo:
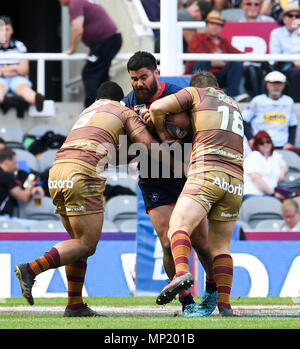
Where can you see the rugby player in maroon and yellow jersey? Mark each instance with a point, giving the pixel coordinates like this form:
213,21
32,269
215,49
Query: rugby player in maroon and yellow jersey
76,188
214,185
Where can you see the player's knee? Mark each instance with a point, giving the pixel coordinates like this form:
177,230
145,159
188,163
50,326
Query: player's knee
88,249
166,246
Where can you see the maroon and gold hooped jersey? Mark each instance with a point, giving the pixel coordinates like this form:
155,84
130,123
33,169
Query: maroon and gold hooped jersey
96,130
218,130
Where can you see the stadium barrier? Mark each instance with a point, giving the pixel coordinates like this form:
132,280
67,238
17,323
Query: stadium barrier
41,59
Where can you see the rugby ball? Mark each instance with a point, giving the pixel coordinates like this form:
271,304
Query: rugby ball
178,124
176,132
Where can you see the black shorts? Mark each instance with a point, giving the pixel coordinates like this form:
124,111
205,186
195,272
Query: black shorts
160,192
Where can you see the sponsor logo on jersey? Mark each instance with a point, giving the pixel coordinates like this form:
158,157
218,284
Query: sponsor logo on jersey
61,183
225,153
226,99
230,188
202,197
229,215
74,209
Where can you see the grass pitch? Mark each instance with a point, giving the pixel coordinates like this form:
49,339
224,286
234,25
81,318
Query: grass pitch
257,313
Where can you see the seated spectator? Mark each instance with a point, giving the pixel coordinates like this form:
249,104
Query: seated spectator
220,5
11,191
152,9
247,149
228,74
252,12
195,11
286,40
254,71
2,144
291,215
13,73
264,168
271,8
273,112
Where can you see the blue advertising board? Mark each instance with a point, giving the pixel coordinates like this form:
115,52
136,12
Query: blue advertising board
108,272
261,268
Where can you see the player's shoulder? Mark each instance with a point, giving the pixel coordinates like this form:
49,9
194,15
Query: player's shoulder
171,88
128,100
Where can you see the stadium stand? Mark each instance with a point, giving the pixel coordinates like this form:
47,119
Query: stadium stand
40,130
49,225
244,225
297,140
121,208
297,198
292,159
30,159
232,14
127,182
129,226
44,211
8,224
46,159
109,227
270,225
257,209
13,135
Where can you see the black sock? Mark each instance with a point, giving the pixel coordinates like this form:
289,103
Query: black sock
186,300
210,286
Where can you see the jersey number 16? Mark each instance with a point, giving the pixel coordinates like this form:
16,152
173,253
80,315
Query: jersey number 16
237,120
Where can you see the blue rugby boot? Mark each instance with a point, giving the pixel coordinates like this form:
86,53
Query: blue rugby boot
191,310
208,303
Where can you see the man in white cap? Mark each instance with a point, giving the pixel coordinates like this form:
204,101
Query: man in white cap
286,40
272,112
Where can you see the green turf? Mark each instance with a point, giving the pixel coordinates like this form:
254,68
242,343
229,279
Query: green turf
29,321
131,301
129,322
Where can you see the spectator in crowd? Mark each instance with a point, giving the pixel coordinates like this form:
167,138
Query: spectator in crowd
252,12
92,24
220,5
291,215
2,144
14,72
254,71
228,74
152,9
264,168
11,190
286,40
273,112
196,11
271,8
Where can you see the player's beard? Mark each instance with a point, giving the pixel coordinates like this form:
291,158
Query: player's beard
143,95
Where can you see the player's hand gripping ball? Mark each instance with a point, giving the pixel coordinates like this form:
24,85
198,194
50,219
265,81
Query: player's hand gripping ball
177,124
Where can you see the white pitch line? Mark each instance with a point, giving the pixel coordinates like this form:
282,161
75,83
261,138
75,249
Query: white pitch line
151,310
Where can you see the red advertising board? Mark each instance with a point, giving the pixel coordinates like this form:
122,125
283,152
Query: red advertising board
249,37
